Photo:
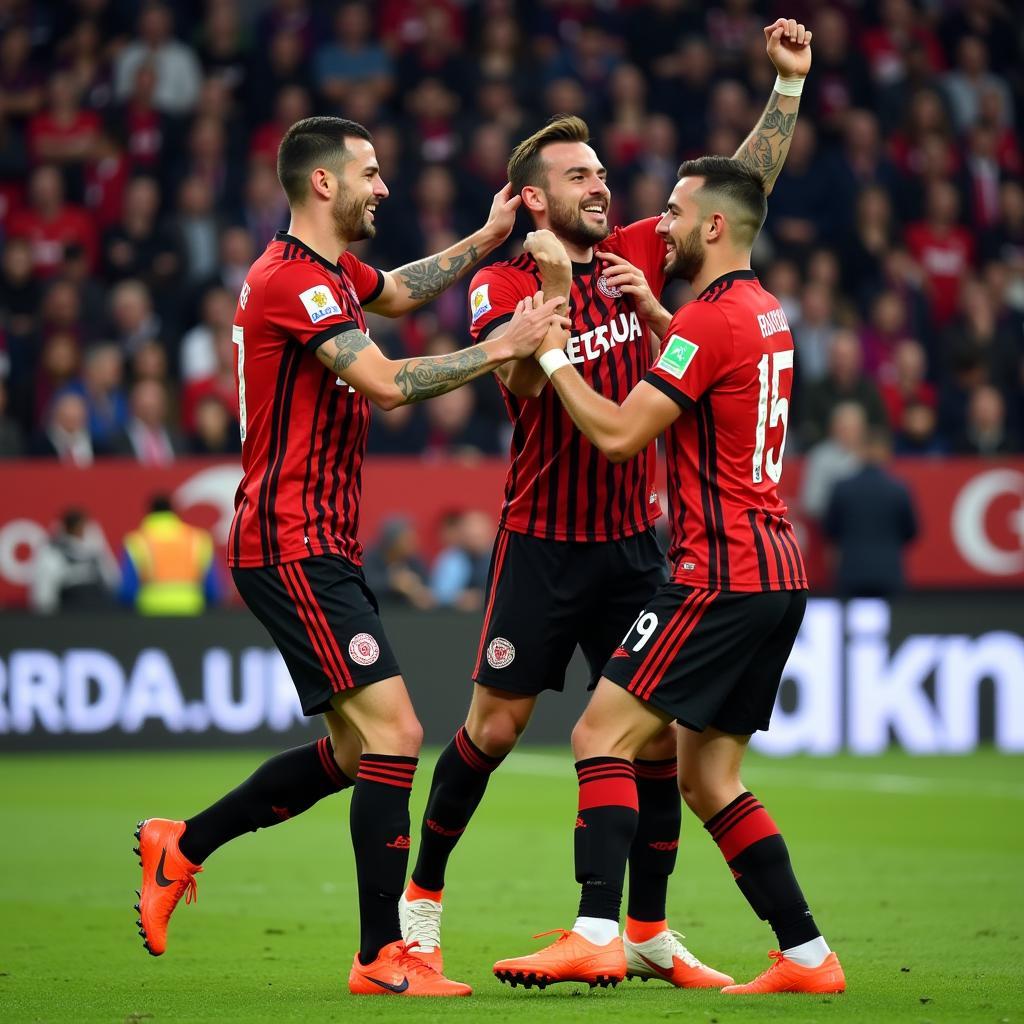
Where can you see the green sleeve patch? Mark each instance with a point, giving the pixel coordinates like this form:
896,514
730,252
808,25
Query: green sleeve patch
676,356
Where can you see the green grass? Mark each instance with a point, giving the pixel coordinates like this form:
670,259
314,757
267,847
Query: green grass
913,868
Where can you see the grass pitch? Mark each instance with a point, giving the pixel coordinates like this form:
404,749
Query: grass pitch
912,866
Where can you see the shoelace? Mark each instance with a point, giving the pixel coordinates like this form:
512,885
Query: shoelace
681,951
778,956
411,963
560,932
424,925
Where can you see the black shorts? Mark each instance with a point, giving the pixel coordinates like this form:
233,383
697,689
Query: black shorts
545,597
709,657
323,618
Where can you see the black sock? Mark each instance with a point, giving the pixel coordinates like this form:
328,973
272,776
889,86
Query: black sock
460,779
756,852
279,789
605,826
380,838
652,857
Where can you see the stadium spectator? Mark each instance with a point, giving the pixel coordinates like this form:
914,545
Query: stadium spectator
22,89
146,130
353,60
198,225
167,566
21,290
292,104
393,568
147,437
916,433
398,431
215,431
800,206
981,334
222,44
12,437
870,519
813,331
219,382
844,381
139,245
132,318
871,237
1004,240
51,224
986,431
58,367
63,133
265,210
970,80
102,388
834,458
66,436
907,384
888,324
458,576
73,570
199,357
175,66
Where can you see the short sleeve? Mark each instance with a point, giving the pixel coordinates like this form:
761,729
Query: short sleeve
368,281
640,244
696,353
308,304
494,293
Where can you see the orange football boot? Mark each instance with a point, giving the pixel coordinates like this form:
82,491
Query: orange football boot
787,976
664,956
570,957
399,972
167,875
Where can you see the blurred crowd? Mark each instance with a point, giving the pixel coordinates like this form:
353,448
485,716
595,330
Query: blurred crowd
137,184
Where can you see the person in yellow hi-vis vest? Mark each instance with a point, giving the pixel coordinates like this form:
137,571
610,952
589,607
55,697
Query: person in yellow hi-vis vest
167,566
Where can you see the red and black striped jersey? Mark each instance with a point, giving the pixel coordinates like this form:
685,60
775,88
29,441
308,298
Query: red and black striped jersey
303,429
559,486
728,361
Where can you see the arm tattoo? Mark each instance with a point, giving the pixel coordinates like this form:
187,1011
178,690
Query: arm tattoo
349,344
436,375
764,151
426,279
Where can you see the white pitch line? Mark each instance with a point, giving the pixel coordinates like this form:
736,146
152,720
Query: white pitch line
523,763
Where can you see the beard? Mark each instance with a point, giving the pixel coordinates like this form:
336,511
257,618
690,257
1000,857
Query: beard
688,258
567,222
351,221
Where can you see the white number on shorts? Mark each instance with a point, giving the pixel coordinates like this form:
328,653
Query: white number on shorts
238,337
645,625
779,412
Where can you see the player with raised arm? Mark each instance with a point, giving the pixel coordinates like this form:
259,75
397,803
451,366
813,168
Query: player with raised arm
575,554
307,374
709,648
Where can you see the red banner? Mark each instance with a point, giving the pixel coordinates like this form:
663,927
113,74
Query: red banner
971,511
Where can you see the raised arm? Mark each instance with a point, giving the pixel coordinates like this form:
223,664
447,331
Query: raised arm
765,148
388,383
416,284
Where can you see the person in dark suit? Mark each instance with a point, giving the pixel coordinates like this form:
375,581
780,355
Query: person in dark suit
870,519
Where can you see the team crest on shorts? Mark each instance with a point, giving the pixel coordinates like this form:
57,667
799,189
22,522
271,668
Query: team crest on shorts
500,653
607,289
363,649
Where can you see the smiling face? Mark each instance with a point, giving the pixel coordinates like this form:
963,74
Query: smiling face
576,193
361,189
681,227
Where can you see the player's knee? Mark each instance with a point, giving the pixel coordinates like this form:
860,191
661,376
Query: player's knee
496,735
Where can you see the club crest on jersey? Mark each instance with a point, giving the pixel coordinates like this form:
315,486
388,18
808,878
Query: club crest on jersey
319,303
243,298
610,290
676,356
479,302
500,653
363,649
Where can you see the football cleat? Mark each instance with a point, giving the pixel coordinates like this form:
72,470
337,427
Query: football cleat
421,927
788,976
571,957
167,875
397,971
664,956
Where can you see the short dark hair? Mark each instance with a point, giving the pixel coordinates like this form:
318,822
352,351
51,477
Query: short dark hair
526,166
313,142
733,180
160,503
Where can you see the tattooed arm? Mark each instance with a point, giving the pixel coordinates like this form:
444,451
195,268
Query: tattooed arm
353,358
766,147
415,284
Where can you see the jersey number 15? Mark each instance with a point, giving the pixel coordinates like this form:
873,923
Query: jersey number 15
772,409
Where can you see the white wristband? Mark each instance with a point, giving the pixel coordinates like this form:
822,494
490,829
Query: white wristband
789,86
553,360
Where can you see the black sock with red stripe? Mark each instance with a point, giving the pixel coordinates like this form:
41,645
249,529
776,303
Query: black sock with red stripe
756,852
652,857
605,826
380,839
279,789
459,782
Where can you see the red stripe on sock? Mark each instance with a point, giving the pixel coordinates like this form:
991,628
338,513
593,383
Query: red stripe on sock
656,769
757,825
615,792
385,780
744,804
464,748
330,766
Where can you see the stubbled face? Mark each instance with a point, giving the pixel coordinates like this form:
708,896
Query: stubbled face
362,189
681,229
577,193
